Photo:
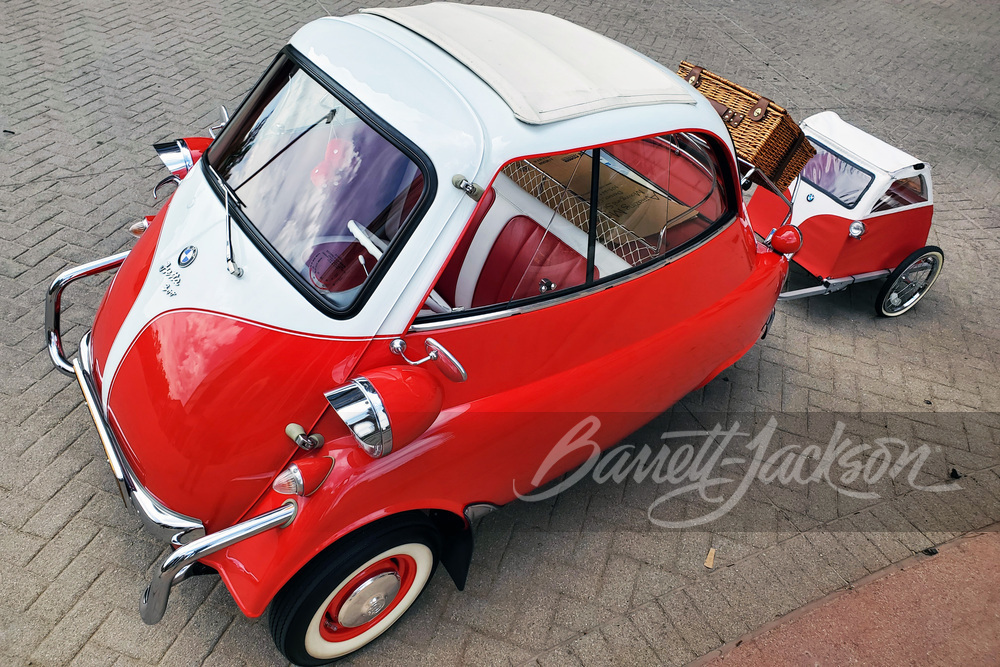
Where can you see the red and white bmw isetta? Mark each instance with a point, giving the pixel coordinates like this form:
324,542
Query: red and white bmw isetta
427,242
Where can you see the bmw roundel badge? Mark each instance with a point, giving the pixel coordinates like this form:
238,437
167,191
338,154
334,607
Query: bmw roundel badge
187,256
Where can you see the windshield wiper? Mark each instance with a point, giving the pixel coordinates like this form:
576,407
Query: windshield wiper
228,192
328,117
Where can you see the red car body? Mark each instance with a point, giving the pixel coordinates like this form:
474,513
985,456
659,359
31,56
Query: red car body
194,390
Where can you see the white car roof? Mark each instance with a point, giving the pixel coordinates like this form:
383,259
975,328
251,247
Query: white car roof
446,109
545,68
831,129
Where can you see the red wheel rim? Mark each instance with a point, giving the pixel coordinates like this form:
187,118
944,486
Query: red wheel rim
402,565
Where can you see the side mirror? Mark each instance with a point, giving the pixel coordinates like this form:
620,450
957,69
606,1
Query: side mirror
436,352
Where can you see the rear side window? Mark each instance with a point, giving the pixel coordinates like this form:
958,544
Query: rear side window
903,192
562,221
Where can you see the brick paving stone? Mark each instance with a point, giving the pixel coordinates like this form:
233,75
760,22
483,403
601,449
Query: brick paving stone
88,85
666,641
689,622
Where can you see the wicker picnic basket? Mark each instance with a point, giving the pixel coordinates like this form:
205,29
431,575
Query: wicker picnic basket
764,134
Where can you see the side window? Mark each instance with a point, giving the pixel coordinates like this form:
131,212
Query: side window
525,245
903,192
659,193
532,237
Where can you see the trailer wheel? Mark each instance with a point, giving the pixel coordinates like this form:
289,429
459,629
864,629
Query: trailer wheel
354,591
909,281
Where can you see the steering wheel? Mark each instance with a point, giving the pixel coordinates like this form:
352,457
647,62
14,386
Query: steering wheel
367,238
377,246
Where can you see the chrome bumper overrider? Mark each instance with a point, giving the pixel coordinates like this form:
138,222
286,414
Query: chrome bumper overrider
185,533
53,303
175,567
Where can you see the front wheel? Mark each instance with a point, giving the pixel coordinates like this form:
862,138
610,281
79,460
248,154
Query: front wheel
909,281
354,591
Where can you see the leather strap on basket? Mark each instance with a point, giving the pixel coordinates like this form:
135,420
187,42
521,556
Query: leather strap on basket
694,76
758,113
729,116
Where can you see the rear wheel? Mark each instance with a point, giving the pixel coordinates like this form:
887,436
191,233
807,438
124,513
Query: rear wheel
909,281
354,591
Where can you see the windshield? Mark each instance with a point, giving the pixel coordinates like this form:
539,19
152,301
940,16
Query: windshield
326,190
836,175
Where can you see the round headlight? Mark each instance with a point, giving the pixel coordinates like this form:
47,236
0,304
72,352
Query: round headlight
857,229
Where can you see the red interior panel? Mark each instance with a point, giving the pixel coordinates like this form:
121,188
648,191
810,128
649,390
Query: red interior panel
522,256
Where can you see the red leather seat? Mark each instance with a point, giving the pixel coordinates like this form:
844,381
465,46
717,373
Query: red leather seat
522,256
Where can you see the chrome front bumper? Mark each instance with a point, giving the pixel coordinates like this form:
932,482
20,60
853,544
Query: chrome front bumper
185,533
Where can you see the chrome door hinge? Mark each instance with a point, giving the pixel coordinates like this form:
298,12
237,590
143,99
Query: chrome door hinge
470,188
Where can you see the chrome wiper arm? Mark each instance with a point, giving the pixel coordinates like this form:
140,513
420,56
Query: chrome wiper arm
226,187
328,117
228,192
231,265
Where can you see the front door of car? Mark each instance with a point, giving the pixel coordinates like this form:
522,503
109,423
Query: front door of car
550,354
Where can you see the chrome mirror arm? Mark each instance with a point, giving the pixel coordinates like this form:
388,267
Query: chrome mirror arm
398,346
444,360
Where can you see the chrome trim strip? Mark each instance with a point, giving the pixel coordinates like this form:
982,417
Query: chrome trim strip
173,569
157,519
53,305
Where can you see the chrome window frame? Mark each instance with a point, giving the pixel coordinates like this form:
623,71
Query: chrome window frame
477,316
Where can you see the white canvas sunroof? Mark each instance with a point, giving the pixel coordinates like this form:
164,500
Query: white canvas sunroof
545,68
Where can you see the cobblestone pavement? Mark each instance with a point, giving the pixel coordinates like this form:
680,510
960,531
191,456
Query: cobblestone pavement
87,85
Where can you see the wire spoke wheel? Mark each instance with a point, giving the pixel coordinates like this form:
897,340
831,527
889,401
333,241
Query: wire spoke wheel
910,281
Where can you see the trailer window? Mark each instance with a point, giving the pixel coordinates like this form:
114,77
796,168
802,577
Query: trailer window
836,176
902,192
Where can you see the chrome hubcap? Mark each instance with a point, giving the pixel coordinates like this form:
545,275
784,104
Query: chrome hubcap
369,599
